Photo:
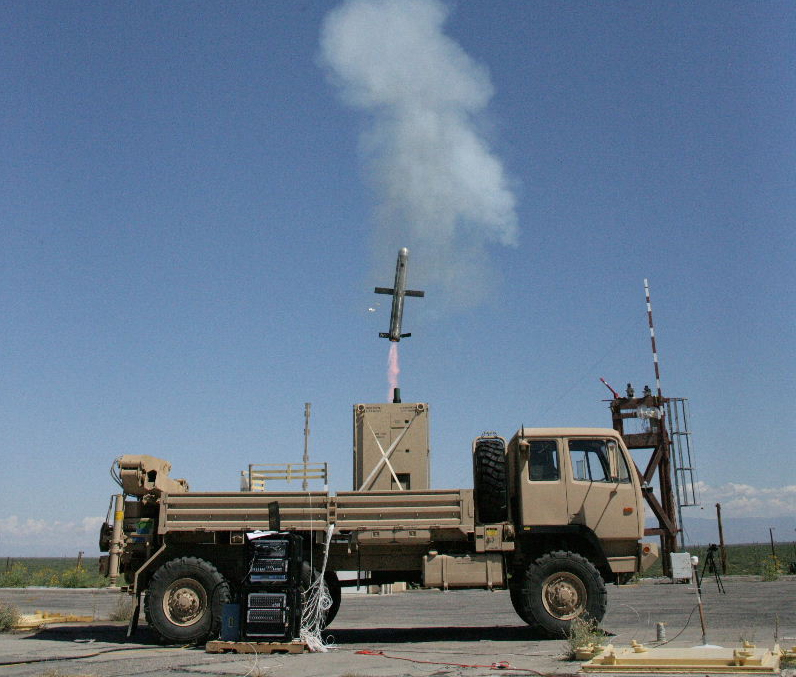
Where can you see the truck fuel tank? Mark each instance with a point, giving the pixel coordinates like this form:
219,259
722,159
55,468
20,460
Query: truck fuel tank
463,571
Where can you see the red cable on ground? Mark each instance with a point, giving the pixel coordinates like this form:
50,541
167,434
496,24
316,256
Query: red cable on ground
500,665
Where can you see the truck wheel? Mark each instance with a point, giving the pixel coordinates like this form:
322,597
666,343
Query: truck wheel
489,474
559,587
515,594
335,591
184,599
332,585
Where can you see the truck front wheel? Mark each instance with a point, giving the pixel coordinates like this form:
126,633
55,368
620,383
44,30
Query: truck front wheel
515,593
184,599
556,589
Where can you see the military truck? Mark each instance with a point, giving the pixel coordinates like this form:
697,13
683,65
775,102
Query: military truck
554,515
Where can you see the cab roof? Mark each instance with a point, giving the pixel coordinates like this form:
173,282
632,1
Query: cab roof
566,432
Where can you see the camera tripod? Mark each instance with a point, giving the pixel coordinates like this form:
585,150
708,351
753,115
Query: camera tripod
710,565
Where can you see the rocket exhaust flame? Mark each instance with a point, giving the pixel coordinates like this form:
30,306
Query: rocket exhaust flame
393,369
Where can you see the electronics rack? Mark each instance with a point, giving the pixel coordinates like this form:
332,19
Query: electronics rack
271,591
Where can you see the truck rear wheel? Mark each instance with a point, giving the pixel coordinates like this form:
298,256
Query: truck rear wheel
489,474
558,588
332,585
184,599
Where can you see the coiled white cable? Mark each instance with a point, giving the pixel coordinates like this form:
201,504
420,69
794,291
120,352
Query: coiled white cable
317,602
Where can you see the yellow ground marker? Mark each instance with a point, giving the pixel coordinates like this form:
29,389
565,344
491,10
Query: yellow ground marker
40,618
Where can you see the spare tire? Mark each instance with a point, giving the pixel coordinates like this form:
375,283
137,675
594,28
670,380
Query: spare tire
489,475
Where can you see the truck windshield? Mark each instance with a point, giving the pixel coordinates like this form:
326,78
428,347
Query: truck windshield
543,460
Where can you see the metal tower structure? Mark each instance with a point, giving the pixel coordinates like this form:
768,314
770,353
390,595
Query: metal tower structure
652,409
677,416
666,430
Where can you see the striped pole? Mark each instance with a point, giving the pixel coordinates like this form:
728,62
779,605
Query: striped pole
307,406
652,337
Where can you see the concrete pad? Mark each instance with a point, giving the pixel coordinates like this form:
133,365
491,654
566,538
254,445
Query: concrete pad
419,633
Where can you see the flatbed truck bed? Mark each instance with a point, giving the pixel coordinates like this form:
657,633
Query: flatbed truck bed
315,511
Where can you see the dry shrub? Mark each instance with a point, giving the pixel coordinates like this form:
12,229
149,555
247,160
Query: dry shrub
9,617
582,633
123,611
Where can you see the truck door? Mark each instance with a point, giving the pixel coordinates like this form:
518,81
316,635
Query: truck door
541,487
602,494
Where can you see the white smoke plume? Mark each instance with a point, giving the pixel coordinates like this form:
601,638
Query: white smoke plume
441,191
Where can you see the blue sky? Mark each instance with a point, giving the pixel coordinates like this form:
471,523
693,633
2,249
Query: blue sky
196,200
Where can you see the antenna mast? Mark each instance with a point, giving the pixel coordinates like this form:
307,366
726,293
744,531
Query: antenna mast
652,338
652,407
306,443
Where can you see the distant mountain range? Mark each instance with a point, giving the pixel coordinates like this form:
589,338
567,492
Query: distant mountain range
701,531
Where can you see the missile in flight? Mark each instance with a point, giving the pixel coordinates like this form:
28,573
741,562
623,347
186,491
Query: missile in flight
398,291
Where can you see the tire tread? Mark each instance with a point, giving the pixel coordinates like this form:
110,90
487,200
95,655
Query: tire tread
490,480
527,598
184,567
